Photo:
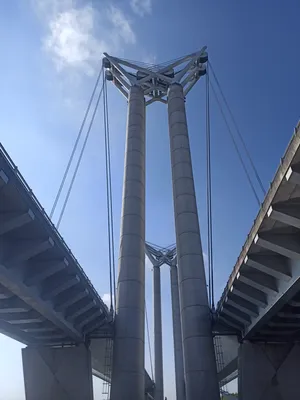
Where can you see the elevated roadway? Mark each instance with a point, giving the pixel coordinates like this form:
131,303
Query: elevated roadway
45,296
261,300
46,299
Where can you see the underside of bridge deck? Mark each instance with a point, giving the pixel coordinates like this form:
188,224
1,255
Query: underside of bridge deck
261,301
45,296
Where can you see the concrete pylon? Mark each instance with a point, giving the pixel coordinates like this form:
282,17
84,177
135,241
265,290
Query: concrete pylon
199,359
177,335
128,375
158,352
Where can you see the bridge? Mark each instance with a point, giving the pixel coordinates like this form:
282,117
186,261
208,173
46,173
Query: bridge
48,303
46,299
45,295
261,301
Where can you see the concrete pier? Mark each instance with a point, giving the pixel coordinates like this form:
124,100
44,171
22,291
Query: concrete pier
128,376
57,373
158,345
199,358
177,335
269,371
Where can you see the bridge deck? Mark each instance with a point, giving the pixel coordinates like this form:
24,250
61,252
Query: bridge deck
261,300
45,296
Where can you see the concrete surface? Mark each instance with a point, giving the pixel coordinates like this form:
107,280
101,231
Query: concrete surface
177,335
45,296
198,350
128,374
230,348
158,344
261,301
269,371
57,373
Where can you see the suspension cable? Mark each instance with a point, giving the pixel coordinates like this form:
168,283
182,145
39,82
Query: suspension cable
75,145
238,131
149,343
109,199
235,144
209,198
79,159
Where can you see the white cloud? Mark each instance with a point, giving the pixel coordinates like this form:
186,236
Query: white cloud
71,40
106,296
106,299
141,7
77,35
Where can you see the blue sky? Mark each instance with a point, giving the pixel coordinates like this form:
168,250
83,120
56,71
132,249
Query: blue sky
50,52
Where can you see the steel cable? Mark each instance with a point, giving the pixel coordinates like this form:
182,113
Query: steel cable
235,145
149,343
79,160
75,145
238,131
209,197
109,199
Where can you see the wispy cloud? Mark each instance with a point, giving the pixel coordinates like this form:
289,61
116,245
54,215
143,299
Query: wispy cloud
149,58
141,7
51,7
122,26
77,35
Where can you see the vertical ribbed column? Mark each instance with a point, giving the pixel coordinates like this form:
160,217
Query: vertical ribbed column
158,354
177,335
198,351
128,375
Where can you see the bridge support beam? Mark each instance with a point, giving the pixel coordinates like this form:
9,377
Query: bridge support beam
128,376
199,359
177,335
58,373
269,371
158,346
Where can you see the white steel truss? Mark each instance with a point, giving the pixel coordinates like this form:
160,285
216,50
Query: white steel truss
160,255
156,79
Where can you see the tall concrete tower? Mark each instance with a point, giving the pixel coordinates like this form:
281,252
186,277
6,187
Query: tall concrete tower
156,258
142,85
159,256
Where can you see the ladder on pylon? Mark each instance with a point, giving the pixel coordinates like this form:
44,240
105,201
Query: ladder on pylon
219,354
107,369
